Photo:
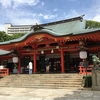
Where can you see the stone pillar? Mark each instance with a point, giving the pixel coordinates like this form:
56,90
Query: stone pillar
96,80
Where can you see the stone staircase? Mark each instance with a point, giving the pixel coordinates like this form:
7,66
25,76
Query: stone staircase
53,81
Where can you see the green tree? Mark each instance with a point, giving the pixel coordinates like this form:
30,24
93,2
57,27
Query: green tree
17,35
6,37
90,24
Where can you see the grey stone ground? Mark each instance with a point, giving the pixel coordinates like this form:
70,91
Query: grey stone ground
47,94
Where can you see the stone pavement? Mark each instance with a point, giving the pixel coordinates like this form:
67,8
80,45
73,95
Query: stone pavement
47,94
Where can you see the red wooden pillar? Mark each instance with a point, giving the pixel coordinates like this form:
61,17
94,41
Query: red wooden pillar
62,61
34,70
19,60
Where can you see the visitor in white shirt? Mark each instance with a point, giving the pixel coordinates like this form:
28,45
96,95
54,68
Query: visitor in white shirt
30,67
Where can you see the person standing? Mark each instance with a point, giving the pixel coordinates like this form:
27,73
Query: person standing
47,66
30,67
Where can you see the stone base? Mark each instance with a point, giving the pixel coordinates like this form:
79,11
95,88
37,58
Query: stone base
96,80
97,88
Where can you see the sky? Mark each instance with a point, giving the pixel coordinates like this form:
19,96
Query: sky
29,12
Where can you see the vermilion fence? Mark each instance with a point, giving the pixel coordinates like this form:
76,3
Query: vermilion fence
4,72
84,71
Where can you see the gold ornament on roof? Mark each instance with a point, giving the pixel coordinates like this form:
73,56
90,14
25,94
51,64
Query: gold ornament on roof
16,44
67,38
39,36
37,26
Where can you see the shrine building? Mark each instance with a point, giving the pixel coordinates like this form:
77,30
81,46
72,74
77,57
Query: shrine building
58,41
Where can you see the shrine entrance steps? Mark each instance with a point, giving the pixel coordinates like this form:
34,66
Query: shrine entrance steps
53,81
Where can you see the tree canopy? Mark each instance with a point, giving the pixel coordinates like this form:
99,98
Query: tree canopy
6,37
90,24
17,35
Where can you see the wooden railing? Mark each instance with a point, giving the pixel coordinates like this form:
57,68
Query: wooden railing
84,71
4,72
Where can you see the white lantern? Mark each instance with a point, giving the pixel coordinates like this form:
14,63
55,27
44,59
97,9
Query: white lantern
52,51
15,59
42,52
83,54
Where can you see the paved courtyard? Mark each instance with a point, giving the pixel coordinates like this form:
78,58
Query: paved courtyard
47,94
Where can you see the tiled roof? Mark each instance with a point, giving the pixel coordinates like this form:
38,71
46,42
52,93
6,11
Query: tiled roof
4,52
74,26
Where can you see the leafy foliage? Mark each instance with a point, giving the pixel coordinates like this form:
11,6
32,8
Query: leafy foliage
92,24
87,81
17,35
6,37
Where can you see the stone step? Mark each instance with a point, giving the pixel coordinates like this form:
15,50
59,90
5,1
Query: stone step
43,83
42,80
56,85
52,78
47,81
35,84
46,75
48,86
47,78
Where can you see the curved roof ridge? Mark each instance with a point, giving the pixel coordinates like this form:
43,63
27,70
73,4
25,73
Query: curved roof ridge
50,32
55,34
